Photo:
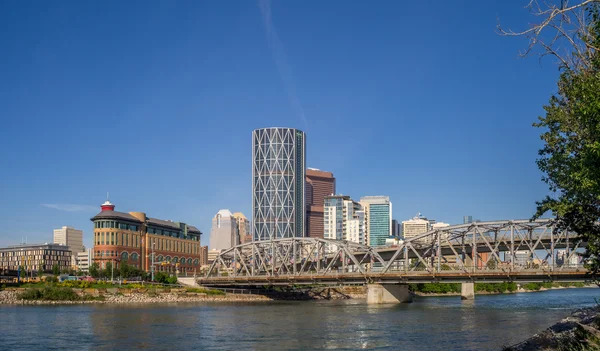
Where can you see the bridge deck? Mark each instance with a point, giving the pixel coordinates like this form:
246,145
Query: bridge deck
572,275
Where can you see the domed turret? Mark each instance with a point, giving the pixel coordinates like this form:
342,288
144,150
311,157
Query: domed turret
107,206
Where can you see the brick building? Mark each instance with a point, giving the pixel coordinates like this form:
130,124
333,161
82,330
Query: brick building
133,238
318,185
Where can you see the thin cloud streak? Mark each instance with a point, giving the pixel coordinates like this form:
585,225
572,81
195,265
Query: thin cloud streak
280,58
71,207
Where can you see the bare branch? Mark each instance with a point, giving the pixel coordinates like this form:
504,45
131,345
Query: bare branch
569,26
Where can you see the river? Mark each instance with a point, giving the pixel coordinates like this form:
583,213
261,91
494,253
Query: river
429,323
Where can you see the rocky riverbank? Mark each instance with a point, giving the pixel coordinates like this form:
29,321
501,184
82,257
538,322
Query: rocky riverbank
120,296
580,331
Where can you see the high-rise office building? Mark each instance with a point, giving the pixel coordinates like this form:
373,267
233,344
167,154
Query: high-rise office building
378,219
224,232
278,183
395,228
522,257
318,185
243,225
439,225
467,219
71,237
344,219
415,226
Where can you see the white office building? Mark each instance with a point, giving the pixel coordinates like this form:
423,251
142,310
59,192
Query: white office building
71,237
224,232
414,227
84,259
343,219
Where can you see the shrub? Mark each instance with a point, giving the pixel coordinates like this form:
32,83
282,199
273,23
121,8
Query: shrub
205,291
134,286
435,288
532,286
214,292
51,279
80,284
495,287
50,293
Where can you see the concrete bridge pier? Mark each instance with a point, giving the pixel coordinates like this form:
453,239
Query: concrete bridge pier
467,291
388,293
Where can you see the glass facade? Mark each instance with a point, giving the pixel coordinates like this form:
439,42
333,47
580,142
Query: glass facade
379,224
278,173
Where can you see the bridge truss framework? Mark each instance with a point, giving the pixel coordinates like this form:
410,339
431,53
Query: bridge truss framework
501,249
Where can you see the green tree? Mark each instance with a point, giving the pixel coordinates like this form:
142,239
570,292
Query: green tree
108,270
570,158
124,270
492,263
22,272
55,269
40,271
94,270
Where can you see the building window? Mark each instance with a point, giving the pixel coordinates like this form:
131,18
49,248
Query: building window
124,256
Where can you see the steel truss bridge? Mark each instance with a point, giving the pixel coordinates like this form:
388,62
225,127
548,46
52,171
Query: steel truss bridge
501,251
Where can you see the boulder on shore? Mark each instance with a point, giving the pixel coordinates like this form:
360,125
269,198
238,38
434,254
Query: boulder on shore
580,331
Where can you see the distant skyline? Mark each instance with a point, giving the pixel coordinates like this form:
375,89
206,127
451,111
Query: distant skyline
155,102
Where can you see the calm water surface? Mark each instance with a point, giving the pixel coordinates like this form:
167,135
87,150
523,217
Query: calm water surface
431,323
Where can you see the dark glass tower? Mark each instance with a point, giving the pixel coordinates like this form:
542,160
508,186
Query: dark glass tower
278,193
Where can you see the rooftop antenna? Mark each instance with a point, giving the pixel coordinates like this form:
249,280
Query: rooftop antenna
107,197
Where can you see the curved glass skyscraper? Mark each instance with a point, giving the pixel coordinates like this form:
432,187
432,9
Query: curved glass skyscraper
278,172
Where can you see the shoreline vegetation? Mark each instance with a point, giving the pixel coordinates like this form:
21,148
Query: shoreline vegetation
81,292
75,292
453,289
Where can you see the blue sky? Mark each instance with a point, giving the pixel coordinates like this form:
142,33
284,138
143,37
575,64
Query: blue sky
155,102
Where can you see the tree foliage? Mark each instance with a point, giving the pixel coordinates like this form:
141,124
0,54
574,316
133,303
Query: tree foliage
55,269
95,270
570,157
164,278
